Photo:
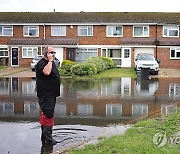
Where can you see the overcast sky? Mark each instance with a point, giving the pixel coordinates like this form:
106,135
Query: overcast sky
90,5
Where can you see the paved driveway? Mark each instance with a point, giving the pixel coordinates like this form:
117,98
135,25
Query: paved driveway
17,72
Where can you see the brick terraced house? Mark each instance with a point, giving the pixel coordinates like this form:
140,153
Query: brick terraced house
79,35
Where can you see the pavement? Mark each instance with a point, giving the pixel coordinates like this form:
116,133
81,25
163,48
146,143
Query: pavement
10,71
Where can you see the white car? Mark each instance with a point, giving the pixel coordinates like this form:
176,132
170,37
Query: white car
38,58
146,60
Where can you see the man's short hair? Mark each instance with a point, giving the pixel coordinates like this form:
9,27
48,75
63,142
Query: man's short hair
45,49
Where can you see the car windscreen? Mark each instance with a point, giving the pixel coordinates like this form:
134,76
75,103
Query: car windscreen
146,57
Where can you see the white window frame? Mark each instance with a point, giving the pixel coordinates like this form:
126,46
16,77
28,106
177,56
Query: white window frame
110,107
85,109
167,109
174,90
60,28
142,107
4,51
4,84
30,28
168,30
176,50
112,29
85,51
6,28
87,30
28,48
143,31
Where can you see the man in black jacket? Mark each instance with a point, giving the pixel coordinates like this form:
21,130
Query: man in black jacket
48,88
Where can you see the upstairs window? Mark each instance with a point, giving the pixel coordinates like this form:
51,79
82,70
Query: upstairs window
29,52
6,30
58,30
85,30
175,53
114,31
170,31
141,31
31,31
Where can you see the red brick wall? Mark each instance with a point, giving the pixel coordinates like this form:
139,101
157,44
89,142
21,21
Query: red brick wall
98,38
164,55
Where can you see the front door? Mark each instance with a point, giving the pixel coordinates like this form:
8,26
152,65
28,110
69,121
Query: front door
71,52
126,57
14,57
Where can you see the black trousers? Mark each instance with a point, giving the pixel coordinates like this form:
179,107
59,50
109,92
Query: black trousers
47,106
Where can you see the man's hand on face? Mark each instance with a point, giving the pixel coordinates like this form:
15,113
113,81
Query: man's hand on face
50,56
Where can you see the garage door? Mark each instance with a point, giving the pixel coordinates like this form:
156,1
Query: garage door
143,50
59,54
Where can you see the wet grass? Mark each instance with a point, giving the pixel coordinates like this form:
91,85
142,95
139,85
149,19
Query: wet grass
2,67
111,73
139,138
117,72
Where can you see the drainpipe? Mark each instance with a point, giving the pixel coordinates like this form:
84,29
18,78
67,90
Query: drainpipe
44,36
156,41
41,50
44,33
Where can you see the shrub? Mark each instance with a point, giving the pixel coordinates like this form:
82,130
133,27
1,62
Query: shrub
108,62
83,69
99,63
68,62
65,69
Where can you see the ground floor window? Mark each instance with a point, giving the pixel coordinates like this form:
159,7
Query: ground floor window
120,56
4,52
84,53
29,52
114,54
174,53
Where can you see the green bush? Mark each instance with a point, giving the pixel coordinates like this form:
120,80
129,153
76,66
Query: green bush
99,63
65,69
90,67
83,69
68,62
108,62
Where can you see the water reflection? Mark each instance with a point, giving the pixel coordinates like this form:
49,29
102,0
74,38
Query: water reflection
92,102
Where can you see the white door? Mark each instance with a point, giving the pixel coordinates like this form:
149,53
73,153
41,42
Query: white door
126,57
59,54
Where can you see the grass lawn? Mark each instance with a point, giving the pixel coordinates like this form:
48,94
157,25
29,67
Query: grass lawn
117,72
139,138
1,67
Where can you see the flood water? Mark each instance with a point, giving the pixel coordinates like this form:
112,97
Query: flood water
85,109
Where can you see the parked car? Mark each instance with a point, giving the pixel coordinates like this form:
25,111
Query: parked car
38,58
146,60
